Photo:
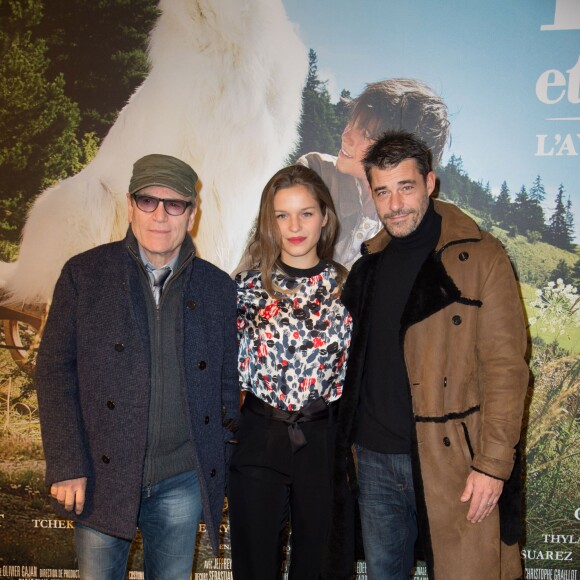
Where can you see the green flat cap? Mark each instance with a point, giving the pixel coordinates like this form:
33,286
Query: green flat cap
164,170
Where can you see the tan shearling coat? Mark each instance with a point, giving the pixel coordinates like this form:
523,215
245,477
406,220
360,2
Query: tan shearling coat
464,342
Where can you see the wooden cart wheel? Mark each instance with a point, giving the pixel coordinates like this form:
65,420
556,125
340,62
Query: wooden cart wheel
20,333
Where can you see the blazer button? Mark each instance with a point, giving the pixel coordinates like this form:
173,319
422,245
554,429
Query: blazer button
105,459
191,304
111,405
212,473
201,365
206,420
456,320
464,256
119,347
445,382
446,441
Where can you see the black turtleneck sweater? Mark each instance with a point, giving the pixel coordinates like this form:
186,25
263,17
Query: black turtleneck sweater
384,418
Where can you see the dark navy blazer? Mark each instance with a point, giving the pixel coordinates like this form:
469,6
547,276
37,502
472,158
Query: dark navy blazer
93,381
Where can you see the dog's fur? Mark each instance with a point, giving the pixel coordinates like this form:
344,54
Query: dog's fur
224,95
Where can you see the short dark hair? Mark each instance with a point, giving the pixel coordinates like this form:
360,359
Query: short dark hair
404,104
392,147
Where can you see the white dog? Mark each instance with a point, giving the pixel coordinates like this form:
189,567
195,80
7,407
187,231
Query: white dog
224,95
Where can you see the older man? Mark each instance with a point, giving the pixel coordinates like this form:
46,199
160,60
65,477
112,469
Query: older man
137,385
436,380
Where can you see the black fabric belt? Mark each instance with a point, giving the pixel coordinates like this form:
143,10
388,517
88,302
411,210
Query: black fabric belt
314,410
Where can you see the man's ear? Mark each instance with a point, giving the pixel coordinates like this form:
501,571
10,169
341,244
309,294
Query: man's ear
191,218
431,181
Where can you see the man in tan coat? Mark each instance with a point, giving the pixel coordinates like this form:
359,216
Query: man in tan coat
435,387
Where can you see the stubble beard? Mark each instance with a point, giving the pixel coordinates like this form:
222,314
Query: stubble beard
404,229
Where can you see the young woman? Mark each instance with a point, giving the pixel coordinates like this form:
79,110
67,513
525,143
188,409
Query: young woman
294,336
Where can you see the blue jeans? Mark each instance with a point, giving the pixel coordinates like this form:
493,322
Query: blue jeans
388,513
168,519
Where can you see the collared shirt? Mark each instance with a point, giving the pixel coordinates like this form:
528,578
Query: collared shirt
150,267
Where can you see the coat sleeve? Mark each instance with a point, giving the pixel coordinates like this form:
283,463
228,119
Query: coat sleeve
63,434
230,387
355,286
503,371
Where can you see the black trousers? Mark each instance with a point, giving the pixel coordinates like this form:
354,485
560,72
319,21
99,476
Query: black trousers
269,486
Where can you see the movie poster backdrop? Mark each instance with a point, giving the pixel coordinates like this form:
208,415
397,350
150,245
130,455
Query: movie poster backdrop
509,75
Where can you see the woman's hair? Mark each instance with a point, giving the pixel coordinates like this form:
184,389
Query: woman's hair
265,244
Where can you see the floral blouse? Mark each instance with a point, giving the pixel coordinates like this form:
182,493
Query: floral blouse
293,348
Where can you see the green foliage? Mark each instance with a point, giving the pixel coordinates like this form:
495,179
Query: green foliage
522,216
561,229
100,49
570,221
89,147
534,237
552,439
575,273
527,214
536,261
537,191
38,123
460,189
502,210
562,270
8,250
320,127
486,224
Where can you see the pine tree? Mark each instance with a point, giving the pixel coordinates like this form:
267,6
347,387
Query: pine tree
536,219
528,215
570,223
318,125
520,213
558,234
537,191
479,197
453,181
502,210
38,123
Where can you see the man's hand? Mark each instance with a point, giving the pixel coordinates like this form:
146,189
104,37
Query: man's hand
70,494
484,492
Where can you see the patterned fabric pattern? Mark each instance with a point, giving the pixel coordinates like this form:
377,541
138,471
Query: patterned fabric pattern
293,348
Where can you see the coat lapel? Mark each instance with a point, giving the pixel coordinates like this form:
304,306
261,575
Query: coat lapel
136,298
432,291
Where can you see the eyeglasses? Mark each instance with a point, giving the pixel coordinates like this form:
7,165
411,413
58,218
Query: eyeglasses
148,204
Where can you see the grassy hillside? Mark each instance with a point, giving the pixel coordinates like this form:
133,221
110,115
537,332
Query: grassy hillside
534,261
